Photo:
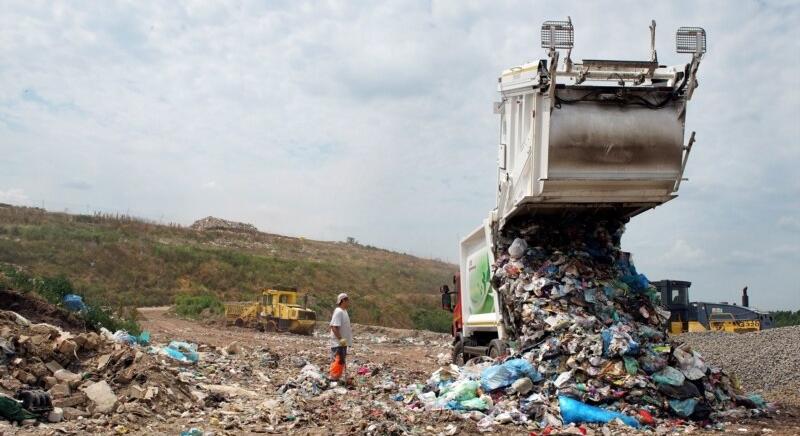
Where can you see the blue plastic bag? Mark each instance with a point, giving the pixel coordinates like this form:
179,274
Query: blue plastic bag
505,374
669,375
175,354
683,408
574,411
187,350
74,303
143,338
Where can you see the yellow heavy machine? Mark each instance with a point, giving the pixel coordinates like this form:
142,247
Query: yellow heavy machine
702,316
275,310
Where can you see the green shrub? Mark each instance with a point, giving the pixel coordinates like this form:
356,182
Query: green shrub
53,289
98,317
17,280
192,306
432,319
785,318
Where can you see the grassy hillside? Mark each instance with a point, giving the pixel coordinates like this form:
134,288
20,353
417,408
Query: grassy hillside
124,261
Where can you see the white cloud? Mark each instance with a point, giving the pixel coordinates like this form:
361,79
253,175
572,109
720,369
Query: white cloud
14,196
682,254
789,223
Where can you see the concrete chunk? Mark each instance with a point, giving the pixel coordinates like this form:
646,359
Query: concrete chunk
55,415
53,366
60,390
73,413
103,397
71,401
102,362
65,375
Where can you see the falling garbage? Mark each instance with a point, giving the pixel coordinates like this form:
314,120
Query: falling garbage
590,340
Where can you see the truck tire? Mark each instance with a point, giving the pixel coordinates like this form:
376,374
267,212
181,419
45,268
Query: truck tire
271,326
458,353
497,348
239,322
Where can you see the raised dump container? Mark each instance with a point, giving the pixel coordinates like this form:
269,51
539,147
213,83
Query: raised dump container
599,133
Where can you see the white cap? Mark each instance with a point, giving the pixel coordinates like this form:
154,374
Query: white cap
341,297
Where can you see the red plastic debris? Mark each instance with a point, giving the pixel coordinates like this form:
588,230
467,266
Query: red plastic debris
646,418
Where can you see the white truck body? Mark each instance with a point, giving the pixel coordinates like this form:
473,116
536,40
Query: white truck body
595,134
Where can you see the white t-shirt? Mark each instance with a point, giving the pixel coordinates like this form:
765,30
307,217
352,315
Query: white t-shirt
341,319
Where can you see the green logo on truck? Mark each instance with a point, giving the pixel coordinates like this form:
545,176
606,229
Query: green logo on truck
481,299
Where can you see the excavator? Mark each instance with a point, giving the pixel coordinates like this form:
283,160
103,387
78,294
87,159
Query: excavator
596,136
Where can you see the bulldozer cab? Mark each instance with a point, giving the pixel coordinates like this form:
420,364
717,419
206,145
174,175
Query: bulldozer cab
675,298
272,297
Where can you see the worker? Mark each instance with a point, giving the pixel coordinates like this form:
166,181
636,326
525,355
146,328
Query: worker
341,334
446,303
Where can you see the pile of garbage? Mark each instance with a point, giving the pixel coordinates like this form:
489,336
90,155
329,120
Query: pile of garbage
214,223
50,374
591,343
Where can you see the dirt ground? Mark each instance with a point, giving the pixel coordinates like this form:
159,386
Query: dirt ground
397,351
260,382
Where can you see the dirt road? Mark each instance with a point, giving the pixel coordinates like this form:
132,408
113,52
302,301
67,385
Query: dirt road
409,350
269,362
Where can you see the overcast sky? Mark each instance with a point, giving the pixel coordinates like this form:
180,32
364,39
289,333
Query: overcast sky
374,120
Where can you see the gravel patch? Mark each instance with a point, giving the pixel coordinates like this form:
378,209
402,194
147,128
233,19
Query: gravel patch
767,361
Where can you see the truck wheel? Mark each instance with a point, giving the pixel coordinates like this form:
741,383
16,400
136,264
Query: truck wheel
239,322
458,353
271,326
497,348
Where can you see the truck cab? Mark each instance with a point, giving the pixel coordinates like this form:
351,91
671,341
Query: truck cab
588,137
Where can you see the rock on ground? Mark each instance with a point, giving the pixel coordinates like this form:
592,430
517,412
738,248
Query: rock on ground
767,361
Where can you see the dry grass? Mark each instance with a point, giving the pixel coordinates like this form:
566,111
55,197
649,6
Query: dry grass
128,261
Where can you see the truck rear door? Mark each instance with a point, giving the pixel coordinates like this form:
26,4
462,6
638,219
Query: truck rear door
479,306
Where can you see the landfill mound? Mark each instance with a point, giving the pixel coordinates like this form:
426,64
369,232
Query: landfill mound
73,375
213,223
591,343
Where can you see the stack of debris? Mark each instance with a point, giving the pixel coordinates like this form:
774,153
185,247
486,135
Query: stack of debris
591,342
213,223
71,375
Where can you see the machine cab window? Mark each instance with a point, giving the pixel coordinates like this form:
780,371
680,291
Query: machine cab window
679,297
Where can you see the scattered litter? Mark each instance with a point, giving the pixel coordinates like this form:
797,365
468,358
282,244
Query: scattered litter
74,303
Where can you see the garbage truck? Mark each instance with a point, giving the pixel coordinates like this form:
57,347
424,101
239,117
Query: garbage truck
587,136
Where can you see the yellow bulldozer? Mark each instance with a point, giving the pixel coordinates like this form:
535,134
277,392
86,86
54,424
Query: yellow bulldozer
275,310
